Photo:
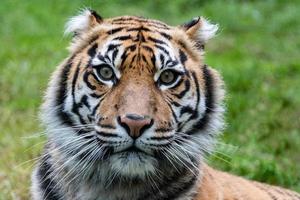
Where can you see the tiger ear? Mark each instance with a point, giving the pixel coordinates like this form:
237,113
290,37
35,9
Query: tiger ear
200,30
86,20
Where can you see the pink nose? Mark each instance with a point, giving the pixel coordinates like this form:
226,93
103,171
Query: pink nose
134,124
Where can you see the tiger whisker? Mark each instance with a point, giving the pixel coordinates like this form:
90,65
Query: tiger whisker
39,134
63,179
49,153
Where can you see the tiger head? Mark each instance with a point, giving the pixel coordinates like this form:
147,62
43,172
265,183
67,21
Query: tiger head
134,97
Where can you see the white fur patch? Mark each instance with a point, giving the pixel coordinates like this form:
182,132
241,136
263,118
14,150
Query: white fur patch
133,165
207,30
78,23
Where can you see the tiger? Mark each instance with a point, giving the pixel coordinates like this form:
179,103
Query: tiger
132,113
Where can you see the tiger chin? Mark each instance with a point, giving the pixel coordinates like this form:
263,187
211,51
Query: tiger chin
131,114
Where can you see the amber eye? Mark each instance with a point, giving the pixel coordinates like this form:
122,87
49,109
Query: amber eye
105,72
168,77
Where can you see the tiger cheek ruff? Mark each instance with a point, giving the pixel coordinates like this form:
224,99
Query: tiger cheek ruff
131,114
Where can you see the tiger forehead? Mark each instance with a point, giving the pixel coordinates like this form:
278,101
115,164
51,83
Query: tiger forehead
138,43
132,20
132,24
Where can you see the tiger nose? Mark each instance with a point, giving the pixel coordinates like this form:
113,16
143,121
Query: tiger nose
135,124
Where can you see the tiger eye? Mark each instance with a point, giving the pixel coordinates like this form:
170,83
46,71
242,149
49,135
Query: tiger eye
167,77
106,72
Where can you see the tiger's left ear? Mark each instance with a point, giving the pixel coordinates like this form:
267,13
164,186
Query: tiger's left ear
200,30
85,21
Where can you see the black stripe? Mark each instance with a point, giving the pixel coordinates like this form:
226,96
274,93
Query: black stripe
108,126
107,141
140,37
85,102
94,95
96,107
162,48
123,58
187,86
131,48
162,59
182,56
209,101
150,50
93,39
113,31
141,28
163,129
86,80
177,84
176,103
92,51
167,36
108,58
133,19
186,109
114,55
75,110
100,57
209,89
195,110
145,60
131,61
62,94
123,38
106,134
76,106
75,80
195,114
147,48
112,47
47,184
171,63
148,24
153,60
156,40
161,137
173,113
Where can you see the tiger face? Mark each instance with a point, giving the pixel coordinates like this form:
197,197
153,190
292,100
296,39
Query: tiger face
134,97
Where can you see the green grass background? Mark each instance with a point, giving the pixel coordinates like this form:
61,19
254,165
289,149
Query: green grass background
257,51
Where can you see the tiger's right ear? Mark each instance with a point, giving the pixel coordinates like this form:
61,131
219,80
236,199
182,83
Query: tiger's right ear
85,21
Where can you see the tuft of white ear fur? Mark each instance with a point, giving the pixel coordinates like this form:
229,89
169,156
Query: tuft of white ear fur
206,30
79,23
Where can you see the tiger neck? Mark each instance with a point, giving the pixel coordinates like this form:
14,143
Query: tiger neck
181,185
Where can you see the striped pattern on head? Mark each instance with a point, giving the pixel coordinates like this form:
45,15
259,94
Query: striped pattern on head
135,93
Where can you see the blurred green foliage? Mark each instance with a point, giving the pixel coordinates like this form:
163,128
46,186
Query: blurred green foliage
257,51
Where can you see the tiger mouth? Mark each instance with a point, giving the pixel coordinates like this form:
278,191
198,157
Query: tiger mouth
134,150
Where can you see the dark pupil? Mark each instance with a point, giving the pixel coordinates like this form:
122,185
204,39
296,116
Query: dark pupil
167,77
106,72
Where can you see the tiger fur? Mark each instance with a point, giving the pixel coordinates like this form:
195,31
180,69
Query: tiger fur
131,114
